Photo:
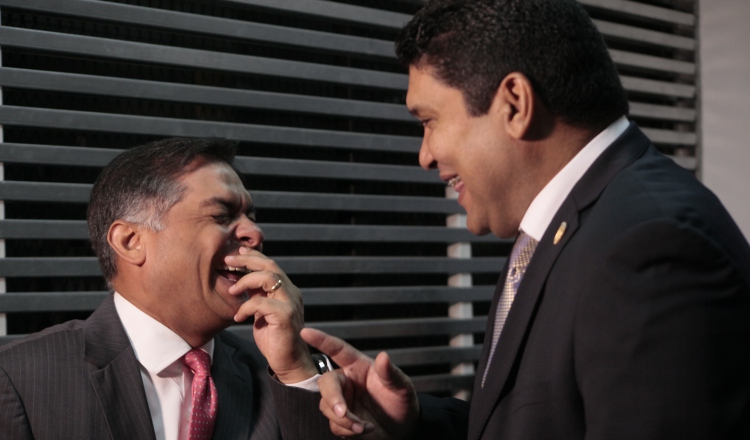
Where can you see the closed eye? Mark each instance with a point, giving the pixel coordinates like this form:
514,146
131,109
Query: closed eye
223,219
227,218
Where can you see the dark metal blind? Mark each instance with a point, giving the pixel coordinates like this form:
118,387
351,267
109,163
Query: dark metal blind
314,94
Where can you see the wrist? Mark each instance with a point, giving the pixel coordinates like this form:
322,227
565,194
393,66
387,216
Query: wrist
304,371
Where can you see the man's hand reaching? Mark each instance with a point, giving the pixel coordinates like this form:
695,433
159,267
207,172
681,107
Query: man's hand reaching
367,396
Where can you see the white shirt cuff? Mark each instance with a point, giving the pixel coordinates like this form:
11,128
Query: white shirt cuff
310,384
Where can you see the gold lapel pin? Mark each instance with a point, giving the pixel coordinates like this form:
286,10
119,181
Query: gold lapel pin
560,232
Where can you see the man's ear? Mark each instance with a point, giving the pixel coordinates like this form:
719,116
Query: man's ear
516,105
127,241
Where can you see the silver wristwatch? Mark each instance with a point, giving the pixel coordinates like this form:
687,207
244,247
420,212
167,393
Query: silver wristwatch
322,363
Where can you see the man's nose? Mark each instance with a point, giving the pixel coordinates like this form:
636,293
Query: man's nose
250,234
426,160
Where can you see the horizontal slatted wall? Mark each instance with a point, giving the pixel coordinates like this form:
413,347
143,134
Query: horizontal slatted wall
313,92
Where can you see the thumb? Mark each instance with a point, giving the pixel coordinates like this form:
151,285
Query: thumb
392,377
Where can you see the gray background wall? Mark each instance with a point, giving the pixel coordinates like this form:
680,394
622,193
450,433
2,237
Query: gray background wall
725,90
312,91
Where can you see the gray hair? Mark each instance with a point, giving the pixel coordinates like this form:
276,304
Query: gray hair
142,184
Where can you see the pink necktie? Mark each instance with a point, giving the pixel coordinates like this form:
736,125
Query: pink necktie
205,398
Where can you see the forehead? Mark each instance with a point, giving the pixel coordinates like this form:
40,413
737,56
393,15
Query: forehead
428,94
212,180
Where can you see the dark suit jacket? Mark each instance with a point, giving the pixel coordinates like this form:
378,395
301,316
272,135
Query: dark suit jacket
81,380
636,325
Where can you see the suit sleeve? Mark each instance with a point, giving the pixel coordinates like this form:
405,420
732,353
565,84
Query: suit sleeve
662,338
300,417
299,414
14,424
443,418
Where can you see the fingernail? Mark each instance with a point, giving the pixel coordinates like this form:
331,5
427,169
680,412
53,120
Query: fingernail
358,428
339,410
369,427
244,250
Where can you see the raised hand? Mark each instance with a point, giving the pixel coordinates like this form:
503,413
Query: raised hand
279,315
364,396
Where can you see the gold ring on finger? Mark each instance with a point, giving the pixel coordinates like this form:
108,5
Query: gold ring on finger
276,286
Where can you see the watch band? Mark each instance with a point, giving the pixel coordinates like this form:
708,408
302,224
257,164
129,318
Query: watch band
322,363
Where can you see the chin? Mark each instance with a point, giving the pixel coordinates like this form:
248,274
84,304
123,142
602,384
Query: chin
234,302
509,233
477,229
225,304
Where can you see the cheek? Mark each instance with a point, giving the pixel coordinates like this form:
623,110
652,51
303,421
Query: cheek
481,183
193,251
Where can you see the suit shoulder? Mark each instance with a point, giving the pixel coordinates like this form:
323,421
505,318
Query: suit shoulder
661,187
655,190
43,343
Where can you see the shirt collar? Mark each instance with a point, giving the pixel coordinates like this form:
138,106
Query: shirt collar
156,346
545,205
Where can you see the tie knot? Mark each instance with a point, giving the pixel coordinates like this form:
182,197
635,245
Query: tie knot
199,362
522,252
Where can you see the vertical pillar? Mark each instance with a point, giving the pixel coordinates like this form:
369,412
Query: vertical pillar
460,310
3,318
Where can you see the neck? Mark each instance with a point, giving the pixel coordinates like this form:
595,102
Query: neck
547,156
558,149
195,337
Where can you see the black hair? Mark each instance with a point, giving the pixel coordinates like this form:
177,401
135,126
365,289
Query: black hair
473,44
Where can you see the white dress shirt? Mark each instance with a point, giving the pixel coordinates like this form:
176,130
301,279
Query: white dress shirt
545,205
165,377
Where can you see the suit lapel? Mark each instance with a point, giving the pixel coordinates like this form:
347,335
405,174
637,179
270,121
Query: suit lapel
234,384
517,324
117,383
630,145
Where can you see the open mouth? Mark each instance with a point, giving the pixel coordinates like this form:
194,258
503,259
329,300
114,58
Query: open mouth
454,181
233,274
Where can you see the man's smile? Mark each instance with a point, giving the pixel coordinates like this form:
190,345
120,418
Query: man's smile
454,182
233,274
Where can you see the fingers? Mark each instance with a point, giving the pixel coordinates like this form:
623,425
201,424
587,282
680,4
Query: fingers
253,260
263,306
277,307
333,405
269,296
276,332
262,282
338,350
391,376
265,277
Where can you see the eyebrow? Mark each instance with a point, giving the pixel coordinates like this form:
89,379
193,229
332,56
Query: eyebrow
231,204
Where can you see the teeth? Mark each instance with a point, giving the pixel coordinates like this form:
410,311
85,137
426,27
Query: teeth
454,181
236,269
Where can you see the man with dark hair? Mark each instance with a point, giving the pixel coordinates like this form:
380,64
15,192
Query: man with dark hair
174,230
624,308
